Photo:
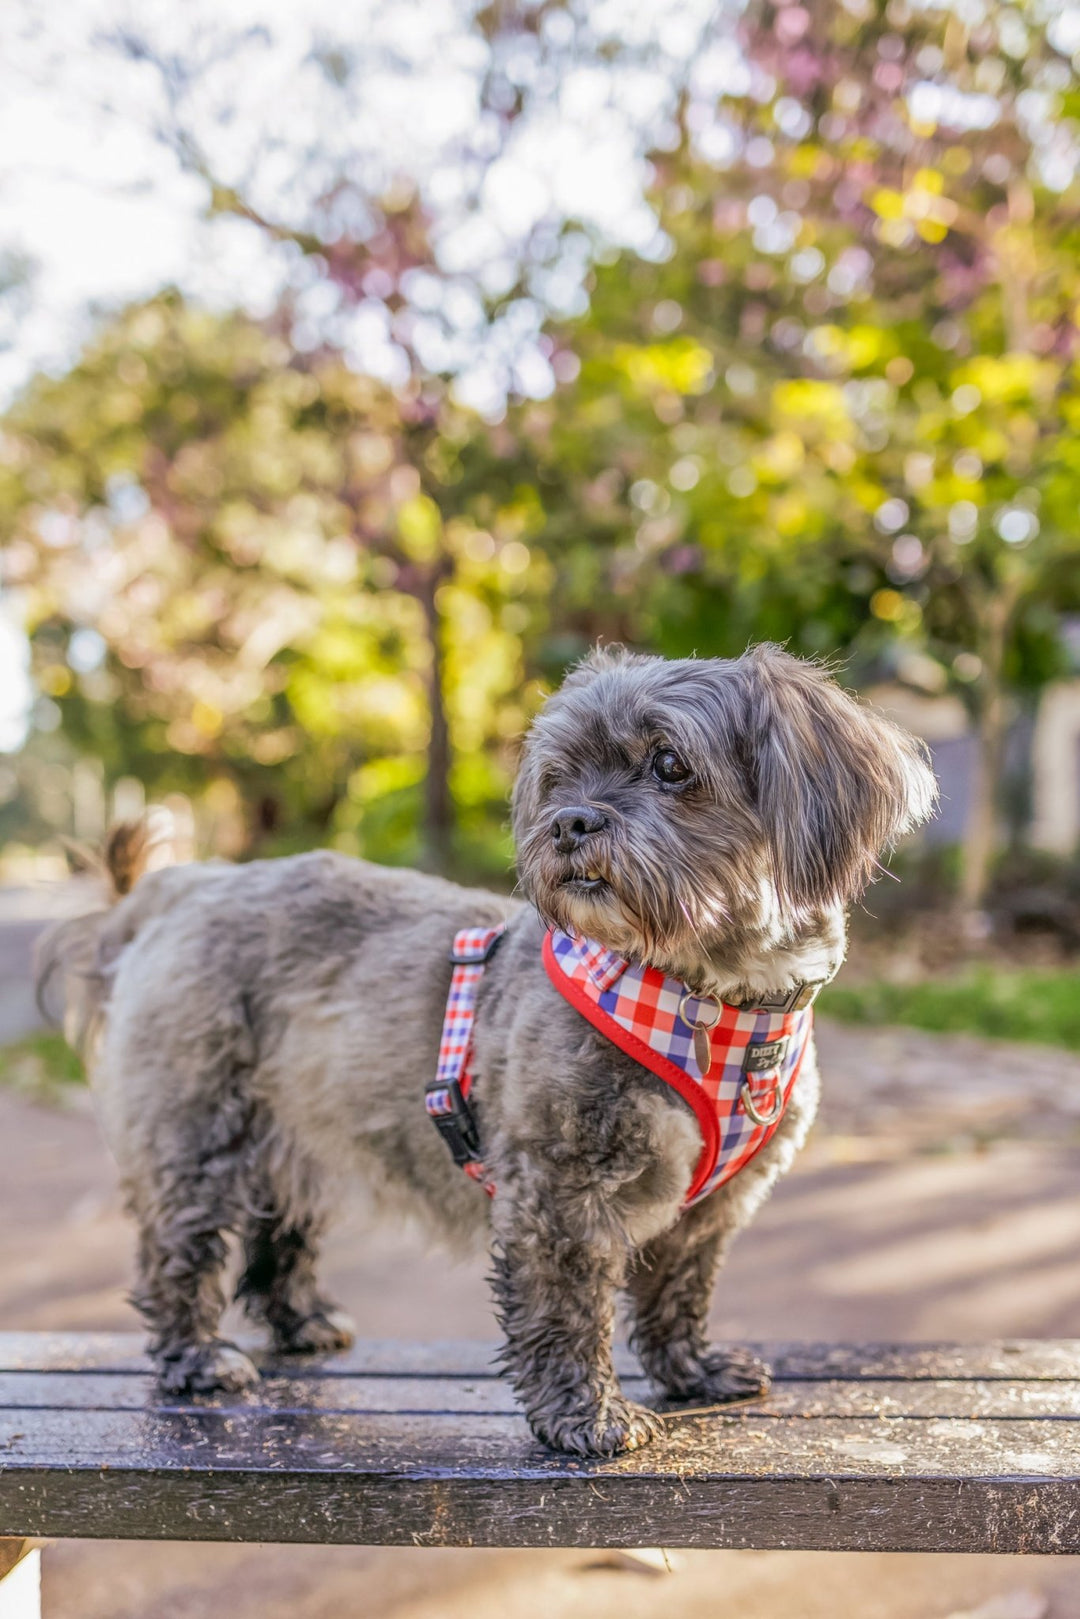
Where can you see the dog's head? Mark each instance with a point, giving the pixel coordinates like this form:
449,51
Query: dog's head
669,809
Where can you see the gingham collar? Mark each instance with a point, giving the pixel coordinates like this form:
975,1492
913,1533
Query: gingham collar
605,967
736,1066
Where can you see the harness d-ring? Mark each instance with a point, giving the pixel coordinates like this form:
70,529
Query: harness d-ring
702,1043
746,1096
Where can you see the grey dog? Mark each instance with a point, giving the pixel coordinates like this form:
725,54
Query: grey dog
259,1036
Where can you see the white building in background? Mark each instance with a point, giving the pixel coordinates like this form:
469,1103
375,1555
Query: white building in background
1055,765
1042,756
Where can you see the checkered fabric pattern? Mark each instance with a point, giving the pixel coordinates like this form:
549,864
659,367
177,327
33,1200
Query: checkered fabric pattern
469,954
645,1004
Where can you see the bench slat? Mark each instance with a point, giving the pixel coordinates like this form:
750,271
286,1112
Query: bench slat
835,1484
1008,1359
957,1399
870,1448
459,1443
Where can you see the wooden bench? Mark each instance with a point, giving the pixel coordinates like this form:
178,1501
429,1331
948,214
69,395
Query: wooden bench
879,1448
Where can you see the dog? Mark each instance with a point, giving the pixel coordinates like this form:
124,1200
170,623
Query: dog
259,1036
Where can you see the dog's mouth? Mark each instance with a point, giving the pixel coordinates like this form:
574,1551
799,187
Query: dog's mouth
589,882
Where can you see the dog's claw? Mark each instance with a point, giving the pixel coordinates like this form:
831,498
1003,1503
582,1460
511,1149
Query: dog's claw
618,1427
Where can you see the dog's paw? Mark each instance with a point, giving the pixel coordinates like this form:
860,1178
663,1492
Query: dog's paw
618,1426
717,1376
317,1334
207,1369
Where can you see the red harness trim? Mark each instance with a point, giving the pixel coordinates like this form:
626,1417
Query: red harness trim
663,1067
446,1096
704,1108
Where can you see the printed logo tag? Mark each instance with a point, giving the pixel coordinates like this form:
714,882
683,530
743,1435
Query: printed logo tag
765,1056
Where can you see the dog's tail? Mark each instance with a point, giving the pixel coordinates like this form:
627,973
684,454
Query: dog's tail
126,856
71,979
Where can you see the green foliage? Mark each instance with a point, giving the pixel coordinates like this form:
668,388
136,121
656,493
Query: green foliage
1037,1006
40,1066
841,410
835,404
244,536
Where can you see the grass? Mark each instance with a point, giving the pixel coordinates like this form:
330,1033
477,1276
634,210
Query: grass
40,1066
1032,1005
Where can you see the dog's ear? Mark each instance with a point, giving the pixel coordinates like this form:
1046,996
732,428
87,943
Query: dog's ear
525,796
835,782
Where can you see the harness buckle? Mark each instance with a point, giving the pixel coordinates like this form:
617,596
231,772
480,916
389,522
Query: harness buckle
452,1116
476,955
797,999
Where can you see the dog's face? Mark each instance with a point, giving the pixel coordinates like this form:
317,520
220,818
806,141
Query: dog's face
673,810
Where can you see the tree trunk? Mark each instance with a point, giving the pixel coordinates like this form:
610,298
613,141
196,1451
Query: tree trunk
979,843
980,830
438,825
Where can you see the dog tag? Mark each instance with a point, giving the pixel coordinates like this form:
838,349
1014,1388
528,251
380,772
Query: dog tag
701,1026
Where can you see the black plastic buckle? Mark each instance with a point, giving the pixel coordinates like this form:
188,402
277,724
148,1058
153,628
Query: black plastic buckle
458,1127
796,999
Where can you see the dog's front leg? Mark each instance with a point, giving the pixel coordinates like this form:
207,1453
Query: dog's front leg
555,1282
670,1290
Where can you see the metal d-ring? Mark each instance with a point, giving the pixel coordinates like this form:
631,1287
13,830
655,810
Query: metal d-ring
700,1028
688,995
751,1108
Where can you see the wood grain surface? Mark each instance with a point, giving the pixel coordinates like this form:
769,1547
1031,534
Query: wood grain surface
874,1447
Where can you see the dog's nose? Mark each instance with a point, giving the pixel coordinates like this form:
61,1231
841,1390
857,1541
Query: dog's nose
572,826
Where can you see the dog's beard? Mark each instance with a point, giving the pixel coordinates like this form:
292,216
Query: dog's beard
658,903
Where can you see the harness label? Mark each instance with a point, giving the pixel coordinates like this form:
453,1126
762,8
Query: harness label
765,1055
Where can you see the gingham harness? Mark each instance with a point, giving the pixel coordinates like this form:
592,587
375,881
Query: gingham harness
736,1066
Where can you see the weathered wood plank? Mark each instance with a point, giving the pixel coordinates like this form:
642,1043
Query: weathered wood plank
460,1444
1028,1359
884,1448
12,1552
956,1399
857,1513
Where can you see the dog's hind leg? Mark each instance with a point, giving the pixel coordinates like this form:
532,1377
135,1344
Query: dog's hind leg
278,1283
670,1289
178,1291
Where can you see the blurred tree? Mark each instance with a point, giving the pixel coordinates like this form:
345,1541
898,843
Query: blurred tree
238,583
829,400
842,409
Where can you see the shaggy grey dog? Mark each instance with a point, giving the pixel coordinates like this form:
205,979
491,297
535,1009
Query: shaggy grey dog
259,1036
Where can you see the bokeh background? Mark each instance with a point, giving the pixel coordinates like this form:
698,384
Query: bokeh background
359,368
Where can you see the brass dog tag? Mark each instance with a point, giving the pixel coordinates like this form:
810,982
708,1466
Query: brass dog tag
700,1027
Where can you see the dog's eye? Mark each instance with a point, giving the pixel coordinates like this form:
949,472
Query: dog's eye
668,767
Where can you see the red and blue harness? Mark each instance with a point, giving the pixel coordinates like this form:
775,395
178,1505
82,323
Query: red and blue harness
736,1066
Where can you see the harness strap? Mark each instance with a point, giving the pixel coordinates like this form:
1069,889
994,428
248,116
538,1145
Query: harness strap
736,1071
446,1096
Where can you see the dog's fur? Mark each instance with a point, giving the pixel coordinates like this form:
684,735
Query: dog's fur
260,1035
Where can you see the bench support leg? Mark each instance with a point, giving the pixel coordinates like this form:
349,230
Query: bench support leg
20,1579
